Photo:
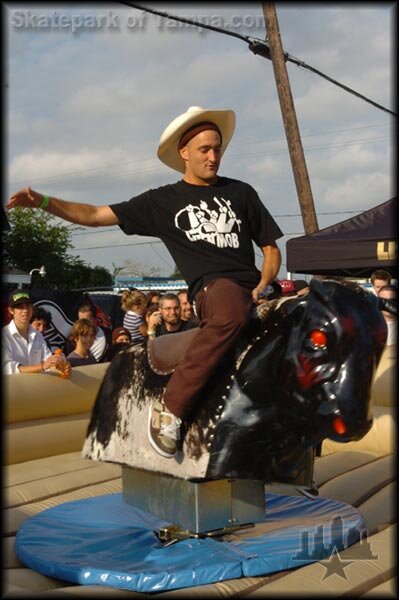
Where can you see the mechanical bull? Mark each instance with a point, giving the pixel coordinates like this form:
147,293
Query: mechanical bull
303,374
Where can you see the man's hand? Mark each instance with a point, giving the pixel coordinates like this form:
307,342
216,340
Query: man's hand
26,198
256,291
154,319
52,361
67,368
270,267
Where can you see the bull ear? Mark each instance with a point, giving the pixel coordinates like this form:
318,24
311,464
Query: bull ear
321,290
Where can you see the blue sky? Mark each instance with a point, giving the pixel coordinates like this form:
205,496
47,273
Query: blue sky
91,88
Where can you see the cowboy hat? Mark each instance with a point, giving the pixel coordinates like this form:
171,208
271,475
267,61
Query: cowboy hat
168,151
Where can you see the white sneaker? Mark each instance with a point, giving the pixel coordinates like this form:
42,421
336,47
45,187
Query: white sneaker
163,429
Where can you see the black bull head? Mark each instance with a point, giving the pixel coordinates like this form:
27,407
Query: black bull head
305,375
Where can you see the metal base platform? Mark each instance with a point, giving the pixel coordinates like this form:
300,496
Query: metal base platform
199,507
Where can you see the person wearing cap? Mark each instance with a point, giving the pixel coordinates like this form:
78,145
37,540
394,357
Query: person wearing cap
121,335
121,339
294,287
24,349
209,224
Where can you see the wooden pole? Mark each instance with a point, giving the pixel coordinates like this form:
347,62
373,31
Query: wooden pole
290,121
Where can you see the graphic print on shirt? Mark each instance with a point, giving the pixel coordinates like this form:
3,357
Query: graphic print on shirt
217,225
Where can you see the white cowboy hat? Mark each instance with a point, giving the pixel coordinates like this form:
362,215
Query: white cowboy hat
168,144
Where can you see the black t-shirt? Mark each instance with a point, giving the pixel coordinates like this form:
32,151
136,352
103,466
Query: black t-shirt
208,230
184,326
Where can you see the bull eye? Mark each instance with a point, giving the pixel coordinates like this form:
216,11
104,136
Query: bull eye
318,338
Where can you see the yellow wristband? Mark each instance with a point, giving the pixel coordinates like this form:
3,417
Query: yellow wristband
44,203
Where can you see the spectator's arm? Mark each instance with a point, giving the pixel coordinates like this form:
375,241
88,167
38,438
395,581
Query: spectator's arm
12,366
51,361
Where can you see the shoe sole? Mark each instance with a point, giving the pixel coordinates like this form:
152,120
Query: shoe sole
153,444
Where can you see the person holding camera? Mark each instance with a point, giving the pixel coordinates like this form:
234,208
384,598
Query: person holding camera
167,318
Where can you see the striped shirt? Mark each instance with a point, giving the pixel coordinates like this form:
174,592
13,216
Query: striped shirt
99,345
132,322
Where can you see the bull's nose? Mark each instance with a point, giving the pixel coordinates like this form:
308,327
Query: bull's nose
339,426
343,430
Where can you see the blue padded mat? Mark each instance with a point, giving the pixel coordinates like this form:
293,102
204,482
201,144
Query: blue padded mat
105,541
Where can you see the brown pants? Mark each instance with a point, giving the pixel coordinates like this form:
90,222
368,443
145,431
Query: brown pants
224,310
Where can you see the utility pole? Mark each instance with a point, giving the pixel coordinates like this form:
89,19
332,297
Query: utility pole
290,121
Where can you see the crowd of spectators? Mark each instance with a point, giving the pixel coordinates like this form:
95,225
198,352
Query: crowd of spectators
26,350
91,341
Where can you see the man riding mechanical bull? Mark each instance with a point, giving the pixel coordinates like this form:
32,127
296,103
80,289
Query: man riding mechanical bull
208,224
252,397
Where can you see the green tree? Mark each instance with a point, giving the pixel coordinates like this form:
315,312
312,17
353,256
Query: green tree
37,238
77,274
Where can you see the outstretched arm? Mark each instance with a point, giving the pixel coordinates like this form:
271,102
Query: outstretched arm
270,268
74,212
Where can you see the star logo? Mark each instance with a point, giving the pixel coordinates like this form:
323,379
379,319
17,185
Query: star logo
316,546
335,565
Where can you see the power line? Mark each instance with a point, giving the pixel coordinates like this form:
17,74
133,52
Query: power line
340,212
155,167
115,247
302,64
188,21
159,256
307,135
260,47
